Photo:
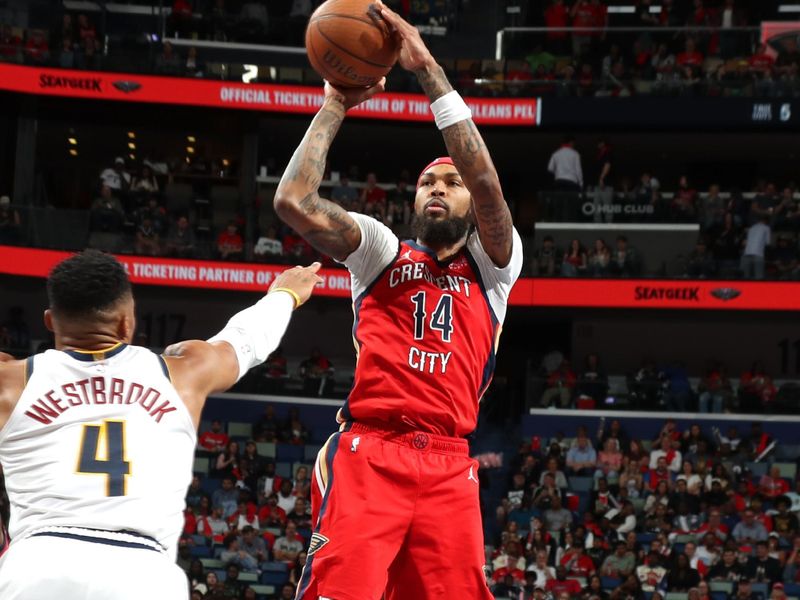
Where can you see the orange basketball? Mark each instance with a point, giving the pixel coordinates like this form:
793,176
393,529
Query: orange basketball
349,44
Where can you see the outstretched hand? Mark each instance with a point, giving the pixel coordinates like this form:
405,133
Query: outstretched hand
414,54
301,280
351,97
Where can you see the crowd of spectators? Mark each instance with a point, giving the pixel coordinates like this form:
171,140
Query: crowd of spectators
686,48
244,515
604,515
667,387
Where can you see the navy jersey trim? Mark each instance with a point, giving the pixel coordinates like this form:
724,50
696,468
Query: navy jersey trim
164,367
91,356
432,254
305,579
99,540
28,368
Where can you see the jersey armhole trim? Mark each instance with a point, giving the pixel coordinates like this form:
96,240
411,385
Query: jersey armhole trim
164,367
377,278
28,369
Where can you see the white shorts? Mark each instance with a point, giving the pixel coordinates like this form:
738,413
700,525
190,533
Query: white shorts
48,568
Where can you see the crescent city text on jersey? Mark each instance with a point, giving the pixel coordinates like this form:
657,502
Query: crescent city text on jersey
421,360
98,390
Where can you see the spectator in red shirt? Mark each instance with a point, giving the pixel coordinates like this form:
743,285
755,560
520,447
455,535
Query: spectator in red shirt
556,16
296,247
772,484
756,388
9,43
373,198
230,244
583,16
577,563
215,440
560,384
761,62
86,31
561,584
660,473
690,57
37,50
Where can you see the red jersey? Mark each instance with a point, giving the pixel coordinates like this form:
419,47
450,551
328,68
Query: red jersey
556,16
425,331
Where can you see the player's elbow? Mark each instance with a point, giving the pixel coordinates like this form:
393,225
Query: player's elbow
286,204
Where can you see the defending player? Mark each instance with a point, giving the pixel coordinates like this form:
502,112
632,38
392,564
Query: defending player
395,498
97,437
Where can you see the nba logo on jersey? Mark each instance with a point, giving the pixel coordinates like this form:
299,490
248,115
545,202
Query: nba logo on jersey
354,445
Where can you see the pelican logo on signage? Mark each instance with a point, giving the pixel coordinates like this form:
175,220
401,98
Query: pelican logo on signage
726,294
127,86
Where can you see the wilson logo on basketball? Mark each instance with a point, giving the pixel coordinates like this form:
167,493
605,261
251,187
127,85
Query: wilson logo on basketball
345,71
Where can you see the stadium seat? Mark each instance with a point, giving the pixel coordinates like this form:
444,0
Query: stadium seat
788,451
684,538
200,465
676,596
248,577
792,589
724,587
279,567
610,583
201,552
263,590
243,430
283,469
719,596
212,563
276,531
310,452
290,452
209,485
199,540
760,588
581,484
266,449
758,469
788,470
273,578
645,538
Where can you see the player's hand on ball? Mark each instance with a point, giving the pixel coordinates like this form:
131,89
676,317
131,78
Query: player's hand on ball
350,97
301,280
414,54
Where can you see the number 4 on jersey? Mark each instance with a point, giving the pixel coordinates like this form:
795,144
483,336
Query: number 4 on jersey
441,320
114,466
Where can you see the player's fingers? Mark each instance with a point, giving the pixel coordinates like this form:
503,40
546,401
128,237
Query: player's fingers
314,267
392,18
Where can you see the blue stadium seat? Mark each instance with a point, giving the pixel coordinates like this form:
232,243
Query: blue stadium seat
581,484
290,452
610,583
719,596
210,485
279,567
248,577
283,469
760,588
758,469
221,574
791,589
218,550
200,540
645,538
212,563
263,591
310,452
273,578
201,552
266,449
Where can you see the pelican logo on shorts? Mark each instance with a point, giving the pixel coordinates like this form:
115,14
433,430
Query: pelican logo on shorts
317,542
127,86
420,441
726,294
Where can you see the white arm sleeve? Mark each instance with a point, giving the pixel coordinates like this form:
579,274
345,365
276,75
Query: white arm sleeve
256,331
378,248
498,280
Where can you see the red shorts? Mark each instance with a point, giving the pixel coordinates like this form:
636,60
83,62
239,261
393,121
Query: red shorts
395,514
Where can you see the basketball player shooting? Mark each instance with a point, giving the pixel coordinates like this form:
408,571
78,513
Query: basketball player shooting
97,437
395,494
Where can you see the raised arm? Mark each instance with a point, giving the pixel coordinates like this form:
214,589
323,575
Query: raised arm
198,368
464,145
324,224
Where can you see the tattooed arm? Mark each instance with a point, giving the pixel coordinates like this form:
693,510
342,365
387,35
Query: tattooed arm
324,224
464,144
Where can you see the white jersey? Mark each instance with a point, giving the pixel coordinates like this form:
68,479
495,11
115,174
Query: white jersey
98,441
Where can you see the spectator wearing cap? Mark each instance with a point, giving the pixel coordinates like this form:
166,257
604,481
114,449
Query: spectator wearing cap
10,222
581,458
116,177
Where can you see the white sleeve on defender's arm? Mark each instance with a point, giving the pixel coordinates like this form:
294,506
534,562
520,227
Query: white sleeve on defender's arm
378,248
498,281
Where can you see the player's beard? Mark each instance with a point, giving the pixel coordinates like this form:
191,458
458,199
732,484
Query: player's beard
440,232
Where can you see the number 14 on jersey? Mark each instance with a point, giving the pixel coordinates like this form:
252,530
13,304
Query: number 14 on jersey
440,325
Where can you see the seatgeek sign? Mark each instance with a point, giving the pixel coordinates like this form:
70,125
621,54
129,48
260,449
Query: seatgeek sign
126,87
566,292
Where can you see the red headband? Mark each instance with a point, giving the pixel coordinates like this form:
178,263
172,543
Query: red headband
442,160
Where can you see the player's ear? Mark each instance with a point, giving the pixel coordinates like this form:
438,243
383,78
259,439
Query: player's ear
48,319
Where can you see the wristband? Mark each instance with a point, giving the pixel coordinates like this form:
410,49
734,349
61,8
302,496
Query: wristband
450,109
292,293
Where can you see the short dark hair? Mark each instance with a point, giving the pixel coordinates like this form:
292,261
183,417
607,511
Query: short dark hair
87,283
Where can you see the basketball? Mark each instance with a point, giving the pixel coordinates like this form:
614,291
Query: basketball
349,44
